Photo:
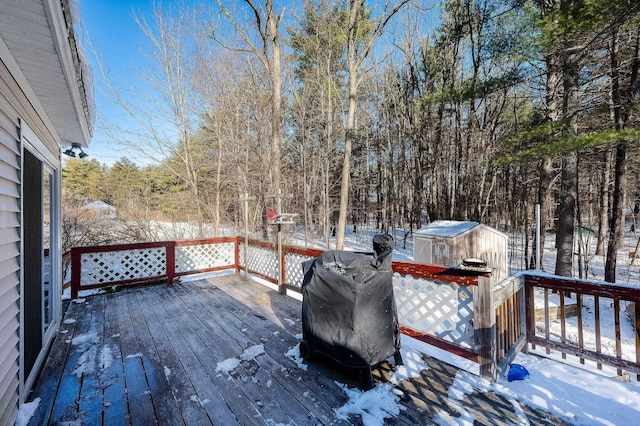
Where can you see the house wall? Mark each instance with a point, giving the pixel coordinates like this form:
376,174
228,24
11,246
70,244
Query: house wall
14,108
9,250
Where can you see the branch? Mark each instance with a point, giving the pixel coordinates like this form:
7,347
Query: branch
262,57
382,22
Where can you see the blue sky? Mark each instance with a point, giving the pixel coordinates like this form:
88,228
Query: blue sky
110,26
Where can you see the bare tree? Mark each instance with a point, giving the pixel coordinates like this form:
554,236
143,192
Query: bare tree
355,59
159,118
266,23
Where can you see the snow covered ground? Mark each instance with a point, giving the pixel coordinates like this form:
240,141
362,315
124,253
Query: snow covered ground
577,396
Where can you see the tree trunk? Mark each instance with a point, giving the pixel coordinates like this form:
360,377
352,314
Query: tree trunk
351,123
275,72
603,217
569,179
216,214
546,166
615,226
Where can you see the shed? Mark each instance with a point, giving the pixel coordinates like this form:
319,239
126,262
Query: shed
448,243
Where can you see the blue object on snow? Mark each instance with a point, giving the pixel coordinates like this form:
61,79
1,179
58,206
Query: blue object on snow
517,372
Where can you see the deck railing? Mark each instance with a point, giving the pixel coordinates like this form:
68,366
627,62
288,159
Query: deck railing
558,311
456,310
116,265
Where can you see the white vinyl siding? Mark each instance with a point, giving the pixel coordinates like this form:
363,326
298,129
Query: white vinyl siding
9,257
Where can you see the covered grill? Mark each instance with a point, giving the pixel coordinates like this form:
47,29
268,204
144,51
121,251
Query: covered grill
348,309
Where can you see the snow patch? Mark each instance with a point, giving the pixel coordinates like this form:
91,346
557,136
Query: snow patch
445,419
167,371
27,410
87,362
413,365
228,365
294,353
106,357
252,352
88,338
373,406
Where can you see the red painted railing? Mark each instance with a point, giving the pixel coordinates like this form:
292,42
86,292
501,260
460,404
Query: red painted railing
500,319
97,267
596,299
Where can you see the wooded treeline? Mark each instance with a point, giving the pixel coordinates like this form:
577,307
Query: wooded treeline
464,109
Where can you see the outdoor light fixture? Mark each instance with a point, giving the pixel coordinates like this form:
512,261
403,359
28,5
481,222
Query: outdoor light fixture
71,153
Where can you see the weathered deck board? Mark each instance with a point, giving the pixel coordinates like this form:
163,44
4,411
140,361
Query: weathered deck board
116,409
49,379
150,354
254,380
175,374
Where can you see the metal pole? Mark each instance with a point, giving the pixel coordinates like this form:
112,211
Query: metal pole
538,237
246,234
281,288
279,218
246,200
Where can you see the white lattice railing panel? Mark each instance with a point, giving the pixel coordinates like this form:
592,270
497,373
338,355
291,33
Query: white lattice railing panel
113,266
443,310
293,273
204,256
241,254
263,261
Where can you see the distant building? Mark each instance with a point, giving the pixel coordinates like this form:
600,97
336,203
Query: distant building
100,210
448,243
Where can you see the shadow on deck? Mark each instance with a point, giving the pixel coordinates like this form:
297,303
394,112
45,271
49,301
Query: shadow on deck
214,351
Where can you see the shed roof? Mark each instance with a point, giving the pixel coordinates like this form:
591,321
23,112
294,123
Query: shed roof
99,205
446,228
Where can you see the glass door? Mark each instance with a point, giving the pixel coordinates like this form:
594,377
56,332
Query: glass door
41,255
47,264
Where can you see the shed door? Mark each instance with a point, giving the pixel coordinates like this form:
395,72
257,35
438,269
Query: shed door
422,250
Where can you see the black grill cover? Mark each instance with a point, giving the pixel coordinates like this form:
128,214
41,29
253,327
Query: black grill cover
348,309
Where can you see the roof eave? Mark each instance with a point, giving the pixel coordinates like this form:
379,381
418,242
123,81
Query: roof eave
73,76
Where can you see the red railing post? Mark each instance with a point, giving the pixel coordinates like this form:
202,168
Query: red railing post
171,261
76,270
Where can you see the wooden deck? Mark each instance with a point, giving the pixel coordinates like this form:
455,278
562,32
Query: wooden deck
149,355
